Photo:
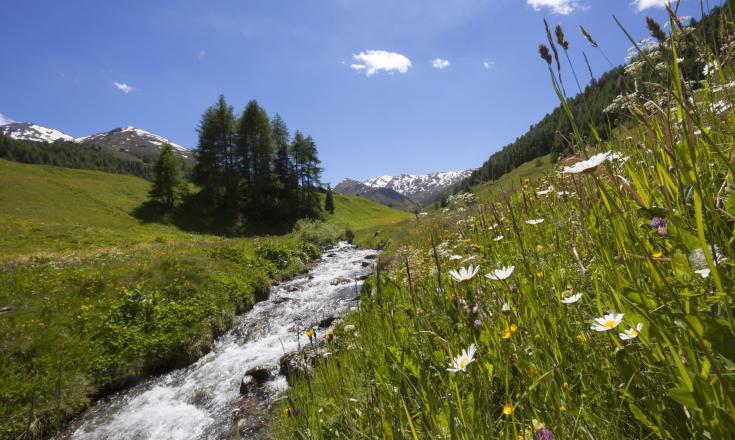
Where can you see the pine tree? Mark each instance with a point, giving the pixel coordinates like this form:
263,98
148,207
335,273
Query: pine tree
285,185
166,177
255,149
329,201
217,168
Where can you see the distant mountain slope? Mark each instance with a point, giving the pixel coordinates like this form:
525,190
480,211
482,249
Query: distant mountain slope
133,141
423,188
27,131
384,196
71,155
124,142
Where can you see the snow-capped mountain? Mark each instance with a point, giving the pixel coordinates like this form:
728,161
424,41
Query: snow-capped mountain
421,188
384,196
131,140
123,141
27,131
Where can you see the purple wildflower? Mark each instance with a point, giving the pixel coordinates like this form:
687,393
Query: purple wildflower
657,222
544,434
478,324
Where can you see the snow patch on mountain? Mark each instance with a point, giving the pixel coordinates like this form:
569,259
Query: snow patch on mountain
146,135
32,132
411,185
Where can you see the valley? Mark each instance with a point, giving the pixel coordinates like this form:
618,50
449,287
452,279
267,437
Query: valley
576,281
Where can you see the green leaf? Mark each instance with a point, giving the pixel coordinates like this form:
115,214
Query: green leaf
641,417
684,396
695,324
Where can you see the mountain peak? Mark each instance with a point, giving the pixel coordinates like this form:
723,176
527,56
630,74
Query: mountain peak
28,131
420,187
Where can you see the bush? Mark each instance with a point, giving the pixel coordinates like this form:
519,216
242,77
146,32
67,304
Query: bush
349,234
317,232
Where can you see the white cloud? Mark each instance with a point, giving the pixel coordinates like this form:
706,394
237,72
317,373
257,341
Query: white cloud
640,5
561,7
373,61
125,88
488,64
5,120
440,63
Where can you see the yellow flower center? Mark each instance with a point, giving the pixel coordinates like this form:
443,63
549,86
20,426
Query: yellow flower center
633,333
609,323
462,363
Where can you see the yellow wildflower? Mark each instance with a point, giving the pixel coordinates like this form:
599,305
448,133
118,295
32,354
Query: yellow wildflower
508,332
310,333
508,409
658,254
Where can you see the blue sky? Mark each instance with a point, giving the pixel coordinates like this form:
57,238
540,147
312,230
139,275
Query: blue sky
84,66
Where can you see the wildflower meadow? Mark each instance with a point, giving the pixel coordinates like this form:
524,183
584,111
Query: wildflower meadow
593,302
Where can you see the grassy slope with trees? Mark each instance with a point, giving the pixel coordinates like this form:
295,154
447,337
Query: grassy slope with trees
650,237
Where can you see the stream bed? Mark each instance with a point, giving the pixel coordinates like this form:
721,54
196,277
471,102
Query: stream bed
196,402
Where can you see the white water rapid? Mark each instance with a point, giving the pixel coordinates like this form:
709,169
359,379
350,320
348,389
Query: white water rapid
196,402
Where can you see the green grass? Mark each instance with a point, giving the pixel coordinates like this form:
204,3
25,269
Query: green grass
45,209
360,213
539,363
513,181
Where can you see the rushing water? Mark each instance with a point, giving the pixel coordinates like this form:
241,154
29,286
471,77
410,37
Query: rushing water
196,402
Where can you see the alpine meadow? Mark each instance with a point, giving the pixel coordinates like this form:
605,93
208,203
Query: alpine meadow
366,275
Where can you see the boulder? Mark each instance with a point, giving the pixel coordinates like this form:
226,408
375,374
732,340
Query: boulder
340,280
371,257
326,322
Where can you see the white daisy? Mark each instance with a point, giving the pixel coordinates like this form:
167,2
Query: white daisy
500,274
704,273
631,333
545,191
607,322
535,221
572,299
591,163
498,238
461,361
464,273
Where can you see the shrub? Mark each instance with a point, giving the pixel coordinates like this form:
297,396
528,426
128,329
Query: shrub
317,232
349,234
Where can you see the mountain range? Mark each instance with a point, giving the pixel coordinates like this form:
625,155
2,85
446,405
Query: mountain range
125,142
404,191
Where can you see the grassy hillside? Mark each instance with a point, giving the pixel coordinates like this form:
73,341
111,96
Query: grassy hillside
361,213
513,181
44,209
601,308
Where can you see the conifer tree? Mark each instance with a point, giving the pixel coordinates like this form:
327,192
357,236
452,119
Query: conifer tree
166,177
217,168
285,186
255,150
329,201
